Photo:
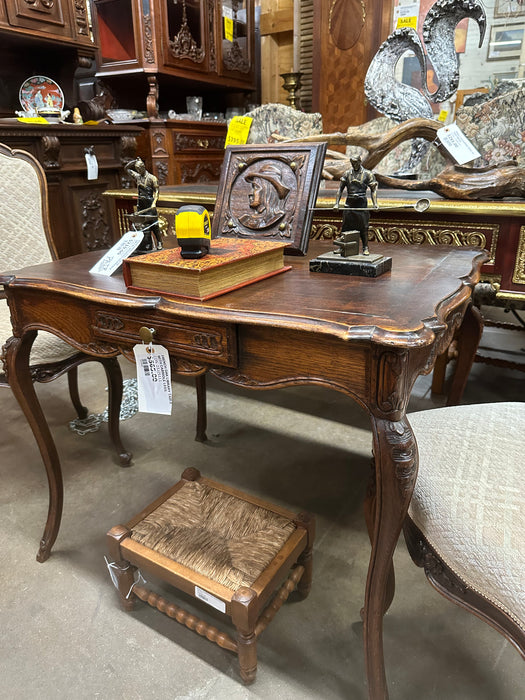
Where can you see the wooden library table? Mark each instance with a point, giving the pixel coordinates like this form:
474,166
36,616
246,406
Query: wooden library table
368,338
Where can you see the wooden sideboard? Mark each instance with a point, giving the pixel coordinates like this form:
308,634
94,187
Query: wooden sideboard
154,53
81,218
178,151
497,226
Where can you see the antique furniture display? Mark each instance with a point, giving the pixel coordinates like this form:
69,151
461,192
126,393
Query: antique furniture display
498,226
178,151
268,192
26,240
220,546
159,41
466,517
80,217
357,336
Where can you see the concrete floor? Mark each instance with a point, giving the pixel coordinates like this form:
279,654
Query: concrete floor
64,635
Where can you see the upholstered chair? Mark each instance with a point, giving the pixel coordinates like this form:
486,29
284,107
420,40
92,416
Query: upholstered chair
26,240
466,521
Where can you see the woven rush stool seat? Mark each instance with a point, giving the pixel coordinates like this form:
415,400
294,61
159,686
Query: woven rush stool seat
228,549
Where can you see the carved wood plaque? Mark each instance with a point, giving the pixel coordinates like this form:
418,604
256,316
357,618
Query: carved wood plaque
269,191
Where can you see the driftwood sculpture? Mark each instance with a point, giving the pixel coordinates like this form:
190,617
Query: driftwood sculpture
377,145
459,182
454,182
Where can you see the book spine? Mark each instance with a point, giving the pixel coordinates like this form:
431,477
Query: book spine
126,273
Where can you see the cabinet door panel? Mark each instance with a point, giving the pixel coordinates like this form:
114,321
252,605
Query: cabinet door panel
46,16
235,39
185,41
93,216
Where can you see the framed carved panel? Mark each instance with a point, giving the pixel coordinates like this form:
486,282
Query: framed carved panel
268,191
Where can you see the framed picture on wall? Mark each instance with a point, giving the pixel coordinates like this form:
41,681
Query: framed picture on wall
506,9
505,42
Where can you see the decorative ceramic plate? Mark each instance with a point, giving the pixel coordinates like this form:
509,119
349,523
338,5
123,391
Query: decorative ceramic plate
39,92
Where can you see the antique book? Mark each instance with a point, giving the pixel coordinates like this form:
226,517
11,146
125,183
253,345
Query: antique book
230,264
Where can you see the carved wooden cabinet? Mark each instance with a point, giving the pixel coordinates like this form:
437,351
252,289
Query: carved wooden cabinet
61,20
81,218
180,152
161,40
54,38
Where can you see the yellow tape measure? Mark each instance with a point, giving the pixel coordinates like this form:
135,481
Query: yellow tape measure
193,231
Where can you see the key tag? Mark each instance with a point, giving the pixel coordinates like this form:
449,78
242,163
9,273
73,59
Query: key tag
153,375
91,164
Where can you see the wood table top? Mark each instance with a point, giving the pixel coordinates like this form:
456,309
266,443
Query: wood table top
399,307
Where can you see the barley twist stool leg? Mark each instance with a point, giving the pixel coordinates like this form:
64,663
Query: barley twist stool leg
247,651
244,617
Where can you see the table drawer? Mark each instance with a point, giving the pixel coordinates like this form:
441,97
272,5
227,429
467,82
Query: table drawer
208,342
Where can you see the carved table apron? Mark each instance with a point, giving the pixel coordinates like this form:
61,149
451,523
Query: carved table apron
367,338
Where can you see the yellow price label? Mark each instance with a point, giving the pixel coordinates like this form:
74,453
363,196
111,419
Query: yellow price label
406,22
228,28
442,117
238,131
32,120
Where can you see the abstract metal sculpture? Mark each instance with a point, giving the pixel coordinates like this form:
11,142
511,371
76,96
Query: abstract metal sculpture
400,101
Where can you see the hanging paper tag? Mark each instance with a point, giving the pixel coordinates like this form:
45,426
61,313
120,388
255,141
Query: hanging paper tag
112,260
92,166
153,378
457,144
238,131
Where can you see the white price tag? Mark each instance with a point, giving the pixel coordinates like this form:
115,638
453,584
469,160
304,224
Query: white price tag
112,260
457,144
153,378
92,166
216,603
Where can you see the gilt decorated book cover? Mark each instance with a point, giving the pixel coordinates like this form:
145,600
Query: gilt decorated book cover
230,264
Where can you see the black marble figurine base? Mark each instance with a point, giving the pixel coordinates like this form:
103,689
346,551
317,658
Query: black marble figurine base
356,265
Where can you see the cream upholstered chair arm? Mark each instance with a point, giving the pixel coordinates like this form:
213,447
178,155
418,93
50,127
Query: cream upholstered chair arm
469,497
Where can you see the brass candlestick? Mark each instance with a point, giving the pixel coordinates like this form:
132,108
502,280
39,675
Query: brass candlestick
292,84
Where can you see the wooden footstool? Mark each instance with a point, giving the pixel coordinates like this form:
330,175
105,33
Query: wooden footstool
229,550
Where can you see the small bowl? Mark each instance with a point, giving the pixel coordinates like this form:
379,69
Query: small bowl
121,115
51,115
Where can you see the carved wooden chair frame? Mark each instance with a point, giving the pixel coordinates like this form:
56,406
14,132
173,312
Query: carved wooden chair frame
445,581
48,371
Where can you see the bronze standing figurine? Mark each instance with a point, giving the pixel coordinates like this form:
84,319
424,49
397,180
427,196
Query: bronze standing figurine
357,180
146,217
